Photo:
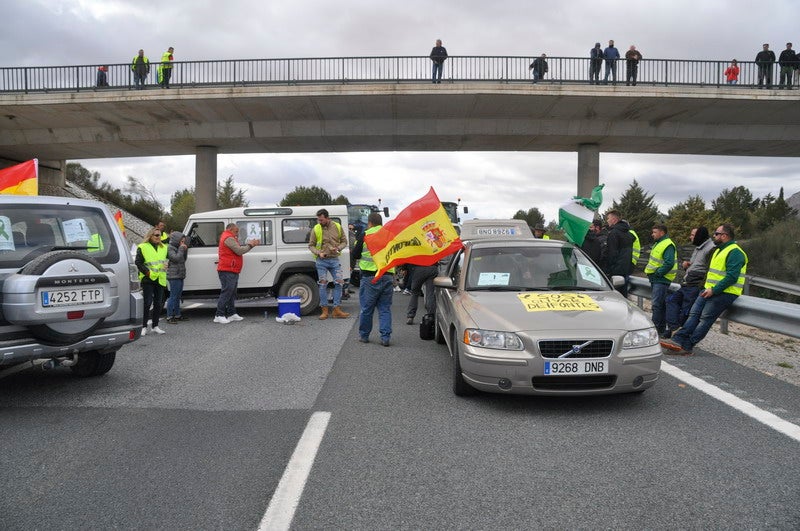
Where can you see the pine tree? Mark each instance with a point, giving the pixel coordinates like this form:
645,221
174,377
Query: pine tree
307,195
689,214
532,217
639,210
736,207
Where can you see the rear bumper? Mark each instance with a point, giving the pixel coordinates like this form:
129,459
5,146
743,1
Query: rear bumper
22,350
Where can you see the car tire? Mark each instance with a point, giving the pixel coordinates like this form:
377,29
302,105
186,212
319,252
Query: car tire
304,287
94,363
39,266
438,336
460,386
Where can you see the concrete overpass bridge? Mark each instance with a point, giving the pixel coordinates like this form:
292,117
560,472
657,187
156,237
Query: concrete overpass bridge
370,115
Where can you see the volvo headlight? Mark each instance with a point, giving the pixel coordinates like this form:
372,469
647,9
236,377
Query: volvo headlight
492,339
640,338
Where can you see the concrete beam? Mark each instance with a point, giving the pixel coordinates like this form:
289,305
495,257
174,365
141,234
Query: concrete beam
205,178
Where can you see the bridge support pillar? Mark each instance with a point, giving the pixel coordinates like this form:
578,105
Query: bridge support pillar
588,168
205,178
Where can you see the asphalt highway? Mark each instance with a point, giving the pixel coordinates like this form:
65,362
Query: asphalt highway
196,428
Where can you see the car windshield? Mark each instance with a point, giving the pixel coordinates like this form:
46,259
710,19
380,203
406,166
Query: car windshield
534,268
29,231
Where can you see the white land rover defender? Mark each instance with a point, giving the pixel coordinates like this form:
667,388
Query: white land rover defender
280,265
69,291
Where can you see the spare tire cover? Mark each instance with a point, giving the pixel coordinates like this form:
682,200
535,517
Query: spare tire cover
58,329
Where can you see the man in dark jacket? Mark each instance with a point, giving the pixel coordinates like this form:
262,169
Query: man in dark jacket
765,59
787,62
595,63
619,248
680,302
538,68
594,243
438,56
611,54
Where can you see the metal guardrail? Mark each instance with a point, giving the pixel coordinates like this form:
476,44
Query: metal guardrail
768,283
386,69
775,316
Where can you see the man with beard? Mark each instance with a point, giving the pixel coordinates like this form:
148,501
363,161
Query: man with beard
619,248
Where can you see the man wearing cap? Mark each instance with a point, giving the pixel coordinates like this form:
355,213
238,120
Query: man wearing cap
538,232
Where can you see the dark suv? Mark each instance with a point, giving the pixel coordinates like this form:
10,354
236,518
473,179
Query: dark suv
69,291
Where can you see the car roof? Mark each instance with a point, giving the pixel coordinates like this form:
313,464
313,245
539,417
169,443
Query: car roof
514,242
46,200
271,211
474,229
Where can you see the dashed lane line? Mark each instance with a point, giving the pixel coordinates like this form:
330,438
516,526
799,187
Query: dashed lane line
749,409
287,495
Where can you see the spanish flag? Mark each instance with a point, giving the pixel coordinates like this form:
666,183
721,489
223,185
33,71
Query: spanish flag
22,179
421,234
118,219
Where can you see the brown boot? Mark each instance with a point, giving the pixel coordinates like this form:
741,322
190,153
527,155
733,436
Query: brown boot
339,314
324,314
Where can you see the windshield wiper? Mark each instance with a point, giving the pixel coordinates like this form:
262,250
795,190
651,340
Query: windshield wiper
578,288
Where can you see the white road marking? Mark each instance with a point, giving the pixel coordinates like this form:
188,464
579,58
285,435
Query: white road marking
751,410
284,501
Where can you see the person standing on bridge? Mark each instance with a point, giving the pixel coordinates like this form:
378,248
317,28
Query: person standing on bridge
724,283
102,76
228,268
165,68
438,56
595,63
764,60
788,64
140,67
611,54
538,68
632,58
661,269
732,73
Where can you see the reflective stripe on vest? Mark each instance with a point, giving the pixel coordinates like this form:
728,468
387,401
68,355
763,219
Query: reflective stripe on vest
657,259
155,260
366,263
637,247
717,271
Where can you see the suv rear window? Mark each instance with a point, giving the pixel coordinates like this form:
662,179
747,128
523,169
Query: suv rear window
30,231
296,230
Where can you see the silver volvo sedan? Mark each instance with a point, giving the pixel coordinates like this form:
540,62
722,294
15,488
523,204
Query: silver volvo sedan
530,316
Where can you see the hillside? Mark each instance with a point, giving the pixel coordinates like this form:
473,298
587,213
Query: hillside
794,202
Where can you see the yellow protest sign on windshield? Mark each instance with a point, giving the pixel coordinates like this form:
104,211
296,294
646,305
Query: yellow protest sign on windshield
558,302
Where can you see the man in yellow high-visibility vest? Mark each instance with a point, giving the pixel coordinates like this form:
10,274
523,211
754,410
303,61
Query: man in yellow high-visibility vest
661,269
724,283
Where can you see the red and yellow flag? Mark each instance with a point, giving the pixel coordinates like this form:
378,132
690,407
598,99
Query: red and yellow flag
22,179
421,234
118,218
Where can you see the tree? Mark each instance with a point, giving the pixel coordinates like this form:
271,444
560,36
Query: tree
532,217
772,211
685,216
182,205
341,200
228,196
639,210
79,175
307,195
775,254
735,206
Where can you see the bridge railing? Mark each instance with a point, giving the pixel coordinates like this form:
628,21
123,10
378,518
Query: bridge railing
395,69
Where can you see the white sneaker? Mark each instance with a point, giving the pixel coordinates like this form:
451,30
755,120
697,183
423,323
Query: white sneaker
235,317
157,330
144,332
397,288
221,319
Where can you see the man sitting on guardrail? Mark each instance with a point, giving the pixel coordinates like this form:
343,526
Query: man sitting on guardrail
724,283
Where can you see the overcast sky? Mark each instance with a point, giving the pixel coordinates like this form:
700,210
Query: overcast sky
53,32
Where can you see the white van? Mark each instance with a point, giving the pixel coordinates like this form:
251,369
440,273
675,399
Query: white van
281,265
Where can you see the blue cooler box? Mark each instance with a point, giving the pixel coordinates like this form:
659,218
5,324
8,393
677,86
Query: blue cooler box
288,305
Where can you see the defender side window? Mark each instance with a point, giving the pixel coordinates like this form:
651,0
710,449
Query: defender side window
205,233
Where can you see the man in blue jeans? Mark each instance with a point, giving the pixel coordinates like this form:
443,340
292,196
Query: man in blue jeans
661,269
438,56
680,302
326,241
724,283
377,294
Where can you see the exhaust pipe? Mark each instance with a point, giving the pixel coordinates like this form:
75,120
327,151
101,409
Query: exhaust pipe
52,363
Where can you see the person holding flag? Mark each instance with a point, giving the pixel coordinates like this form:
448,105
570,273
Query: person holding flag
576,215
373,293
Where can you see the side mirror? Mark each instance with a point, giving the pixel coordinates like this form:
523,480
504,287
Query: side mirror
466,210
617,281
443,282
386,211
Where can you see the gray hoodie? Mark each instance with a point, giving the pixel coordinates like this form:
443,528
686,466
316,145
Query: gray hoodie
176,256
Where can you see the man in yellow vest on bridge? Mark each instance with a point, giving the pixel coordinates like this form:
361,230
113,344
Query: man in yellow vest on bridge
165,68
661,270
724,283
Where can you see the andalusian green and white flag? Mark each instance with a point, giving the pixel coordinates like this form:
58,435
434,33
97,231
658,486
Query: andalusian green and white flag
576,215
